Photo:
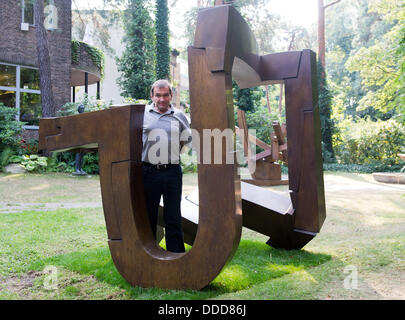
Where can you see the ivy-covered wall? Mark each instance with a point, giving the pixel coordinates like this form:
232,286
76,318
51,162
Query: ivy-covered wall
88,56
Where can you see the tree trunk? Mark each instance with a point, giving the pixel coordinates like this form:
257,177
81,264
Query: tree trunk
267,98
44,62
321,33
280,101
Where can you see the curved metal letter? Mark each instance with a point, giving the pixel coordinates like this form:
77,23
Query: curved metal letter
117,133
224,47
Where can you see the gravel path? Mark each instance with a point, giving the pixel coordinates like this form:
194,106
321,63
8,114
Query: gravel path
6,207
330,186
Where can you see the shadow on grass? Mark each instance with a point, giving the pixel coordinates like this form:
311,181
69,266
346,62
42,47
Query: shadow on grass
253,263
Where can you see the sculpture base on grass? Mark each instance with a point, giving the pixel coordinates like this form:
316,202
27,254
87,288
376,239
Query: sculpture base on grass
266,182
79,173
389,177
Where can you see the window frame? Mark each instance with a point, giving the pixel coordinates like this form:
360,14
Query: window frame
23,14
18,90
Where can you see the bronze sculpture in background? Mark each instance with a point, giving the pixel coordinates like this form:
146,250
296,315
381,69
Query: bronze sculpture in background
263,167
224,48
79,155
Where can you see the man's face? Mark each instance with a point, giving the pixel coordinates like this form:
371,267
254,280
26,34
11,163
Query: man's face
161,98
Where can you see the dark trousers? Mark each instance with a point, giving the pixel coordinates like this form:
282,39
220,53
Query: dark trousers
167,183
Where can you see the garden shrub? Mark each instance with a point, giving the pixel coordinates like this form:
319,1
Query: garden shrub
10,133
90,163
361,168
5,156
370,143
31,163
10,128
65,162
70,108
34,163
28,147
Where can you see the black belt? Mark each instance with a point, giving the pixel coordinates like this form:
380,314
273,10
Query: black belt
160,166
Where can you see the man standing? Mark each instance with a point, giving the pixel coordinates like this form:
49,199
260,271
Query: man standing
162,128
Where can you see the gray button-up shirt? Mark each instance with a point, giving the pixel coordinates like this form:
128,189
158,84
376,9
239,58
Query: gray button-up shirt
164,135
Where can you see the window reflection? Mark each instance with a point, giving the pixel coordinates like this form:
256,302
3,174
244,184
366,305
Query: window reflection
30,108
7,98
7,75
28,12
29,78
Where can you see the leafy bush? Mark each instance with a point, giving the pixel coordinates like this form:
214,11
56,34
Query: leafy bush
90,163
71,108
130,100
31,163
5,156
360,168
34,163
10,128
28,147
65,162
370,143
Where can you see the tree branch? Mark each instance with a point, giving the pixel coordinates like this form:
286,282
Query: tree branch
385,71
331,4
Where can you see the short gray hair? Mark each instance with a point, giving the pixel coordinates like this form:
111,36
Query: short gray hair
161,83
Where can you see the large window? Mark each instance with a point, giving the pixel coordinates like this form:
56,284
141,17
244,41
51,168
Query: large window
19,88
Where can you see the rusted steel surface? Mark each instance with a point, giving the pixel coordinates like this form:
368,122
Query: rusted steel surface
230,48
117,133
224,48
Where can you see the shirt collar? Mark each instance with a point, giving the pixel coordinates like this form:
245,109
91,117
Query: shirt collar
152,108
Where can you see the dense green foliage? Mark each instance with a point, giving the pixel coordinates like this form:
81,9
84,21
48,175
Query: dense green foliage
262,121
365,69
370,142
381,64
137,63
10,128
10,134
162,40
327,124
361,168
364,59
246,99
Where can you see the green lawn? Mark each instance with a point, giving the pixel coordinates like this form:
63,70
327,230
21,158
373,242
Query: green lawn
364,231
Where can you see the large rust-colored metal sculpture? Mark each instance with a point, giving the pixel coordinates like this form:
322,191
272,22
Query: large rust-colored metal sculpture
224,48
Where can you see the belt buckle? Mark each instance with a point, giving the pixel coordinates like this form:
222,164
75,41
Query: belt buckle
160,166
